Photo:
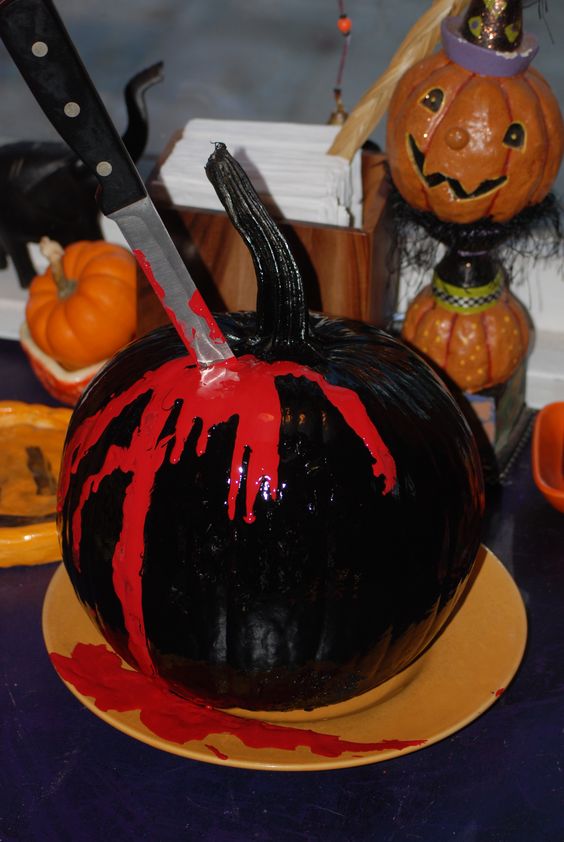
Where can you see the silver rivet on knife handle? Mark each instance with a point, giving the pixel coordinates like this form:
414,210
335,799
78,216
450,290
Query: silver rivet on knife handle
39,49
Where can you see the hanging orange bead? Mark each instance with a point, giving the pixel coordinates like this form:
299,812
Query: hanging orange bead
344,23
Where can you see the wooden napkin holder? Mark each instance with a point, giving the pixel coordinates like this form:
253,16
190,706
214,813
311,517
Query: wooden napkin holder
348,272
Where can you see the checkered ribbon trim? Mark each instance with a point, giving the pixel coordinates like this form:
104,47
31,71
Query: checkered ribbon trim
467,300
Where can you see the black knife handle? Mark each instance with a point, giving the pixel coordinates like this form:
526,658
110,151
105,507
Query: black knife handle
40,46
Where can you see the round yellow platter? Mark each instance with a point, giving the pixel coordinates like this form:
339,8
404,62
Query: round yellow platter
466,670
32,443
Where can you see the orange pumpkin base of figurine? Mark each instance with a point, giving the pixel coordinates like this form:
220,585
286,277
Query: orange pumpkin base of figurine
477,350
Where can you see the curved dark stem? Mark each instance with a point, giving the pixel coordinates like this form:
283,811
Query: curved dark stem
282,314
137,131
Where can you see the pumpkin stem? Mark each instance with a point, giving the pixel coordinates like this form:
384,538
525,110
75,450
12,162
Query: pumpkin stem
282,314
54,252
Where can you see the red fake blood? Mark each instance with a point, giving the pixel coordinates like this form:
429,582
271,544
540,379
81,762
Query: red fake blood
217,752
243,387
200,308
97,672
160,293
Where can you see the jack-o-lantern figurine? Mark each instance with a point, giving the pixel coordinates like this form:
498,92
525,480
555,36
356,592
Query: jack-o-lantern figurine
475,139
473,131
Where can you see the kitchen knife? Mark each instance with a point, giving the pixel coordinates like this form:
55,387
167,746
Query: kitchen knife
40,46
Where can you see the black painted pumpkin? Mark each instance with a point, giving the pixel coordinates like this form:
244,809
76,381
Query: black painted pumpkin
286,529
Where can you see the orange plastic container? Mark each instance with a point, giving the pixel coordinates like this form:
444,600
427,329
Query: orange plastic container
548,453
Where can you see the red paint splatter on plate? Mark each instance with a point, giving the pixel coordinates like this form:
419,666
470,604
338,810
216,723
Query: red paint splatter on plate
217,752
97,672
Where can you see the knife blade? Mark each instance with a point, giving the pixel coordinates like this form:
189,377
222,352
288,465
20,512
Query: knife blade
40,46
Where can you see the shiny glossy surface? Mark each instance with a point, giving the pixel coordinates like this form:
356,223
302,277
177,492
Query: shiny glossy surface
328,580
239,531
494,24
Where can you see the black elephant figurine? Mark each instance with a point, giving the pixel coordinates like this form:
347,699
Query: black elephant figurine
45,190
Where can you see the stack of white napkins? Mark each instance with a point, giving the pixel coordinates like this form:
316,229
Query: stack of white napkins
287,163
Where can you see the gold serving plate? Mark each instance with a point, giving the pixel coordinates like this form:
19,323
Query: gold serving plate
464,673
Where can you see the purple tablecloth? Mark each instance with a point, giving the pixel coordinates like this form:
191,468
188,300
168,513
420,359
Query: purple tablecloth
66,775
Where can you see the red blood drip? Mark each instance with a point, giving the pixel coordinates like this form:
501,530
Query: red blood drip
217,752
97,672
200,308
243,387
159,291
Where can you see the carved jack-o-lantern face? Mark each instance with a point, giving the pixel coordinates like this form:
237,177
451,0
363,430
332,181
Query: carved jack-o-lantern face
465,146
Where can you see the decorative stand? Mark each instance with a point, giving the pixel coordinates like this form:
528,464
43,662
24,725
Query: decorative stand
475,139
469,323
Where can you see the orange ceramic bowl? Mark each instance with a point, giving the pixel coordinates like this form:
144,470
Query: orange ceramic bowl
65,386
548,453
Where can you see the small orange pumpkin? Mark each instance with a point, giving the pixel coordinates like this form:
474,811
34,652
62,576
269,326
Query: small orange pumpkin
478,336
464,146
82,309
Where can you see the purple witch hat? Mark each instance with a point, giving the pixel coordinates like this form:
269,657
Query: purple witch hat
489,40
